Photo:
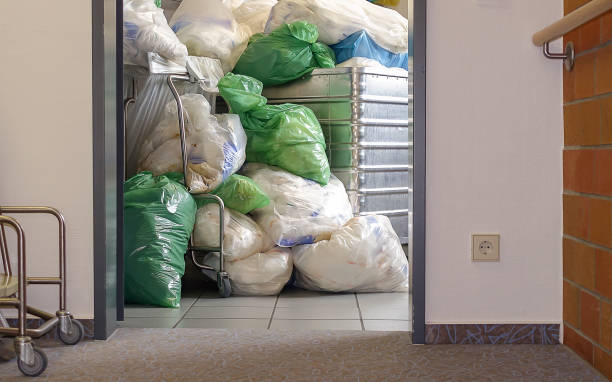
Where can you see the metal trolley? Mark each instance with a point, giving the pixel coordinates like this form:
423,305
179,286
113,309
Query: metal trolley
30,360
222,277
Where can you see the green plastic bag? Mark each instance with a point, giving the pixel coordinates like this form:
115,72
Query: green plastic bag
287,53
288,136
239,193
159,215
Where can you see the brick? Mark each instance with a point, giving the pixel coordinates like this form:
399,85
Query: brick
603,362
579,170
578,344
603,273
589,315
600,222
582,123
570,304
603,72
606,27
584,78
568,86
579,263
589,35
603,172
605,325
571,5
606,120
576,216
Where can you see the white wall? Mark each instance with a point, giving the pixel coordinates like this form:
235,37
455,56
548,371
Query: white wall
46,138
494,140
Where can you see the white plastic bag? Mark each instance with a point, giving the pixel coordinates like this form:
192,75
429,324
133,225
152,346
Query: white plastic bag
365,255
254,14
215,144
206,71
358,62
208,29
261,274
145,29
242,237
301,211
338,19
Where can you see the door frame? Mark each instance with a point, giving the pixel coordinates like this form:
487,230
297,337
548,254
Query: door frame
108,143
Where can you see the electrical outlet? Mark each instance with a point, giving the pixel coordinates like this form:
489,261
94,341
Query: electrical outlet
485,247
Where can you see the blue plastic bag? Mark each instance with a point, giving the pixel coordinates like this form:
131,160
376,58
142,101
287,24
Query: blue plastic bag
360,44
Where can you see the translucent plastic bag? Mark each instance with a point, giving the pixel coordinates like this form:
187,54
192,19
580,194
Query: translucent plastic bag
207,71
365,255
239,193
300,211
339,19
215,144
145,29
359,44
159,218
208,29
261,274
241,236
254,14
288,135
287,53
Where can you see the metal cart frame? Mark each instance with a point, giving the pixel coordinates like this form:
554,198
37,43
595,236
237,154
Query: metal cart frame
222,277
32,361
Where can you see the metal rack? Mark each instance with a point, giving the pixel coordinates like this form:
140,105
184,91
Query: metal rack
222,277
32,361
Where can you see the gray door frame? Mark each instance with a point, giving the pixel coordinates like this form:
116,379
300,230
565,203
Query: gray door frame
107,166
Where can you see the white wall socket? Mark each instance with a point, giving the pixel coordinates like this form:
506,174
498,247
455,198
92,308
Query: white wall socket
485,247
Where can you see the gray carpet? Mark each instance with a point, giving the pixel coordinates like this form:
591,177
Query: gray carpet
259,355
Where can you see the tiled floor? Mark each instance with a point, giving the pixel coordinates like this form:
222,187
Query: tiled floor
293,309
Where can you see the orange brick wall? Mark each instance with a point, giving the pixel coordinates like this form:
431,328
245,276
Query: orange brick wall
587,195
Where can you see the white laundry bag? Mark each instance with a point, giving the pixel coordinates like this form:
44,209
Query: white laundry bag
301,211
261,274
338,19
365,255
254,14
208,29
242,237
145,29
215,145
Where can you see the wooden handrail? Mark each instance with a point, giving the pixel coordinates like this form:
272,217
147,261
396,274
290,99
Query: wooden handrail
572,21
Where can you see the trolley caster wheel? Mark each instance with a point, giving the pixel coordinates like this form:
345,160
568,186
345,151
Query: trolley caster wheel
74,335
37,367
225,289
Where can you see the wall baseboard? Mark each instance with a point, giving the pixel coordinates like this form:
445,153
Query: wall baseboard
492,334
88,325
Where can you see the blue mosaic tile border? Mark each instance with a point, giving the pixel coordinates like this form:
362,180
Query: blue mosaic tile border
492,334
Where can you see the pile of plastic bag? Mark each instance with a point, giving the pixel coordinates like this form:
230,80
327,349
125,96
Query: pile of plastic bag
365,255
300,211
288,135
145,30
254,266
285,54
208,29
159,215
360,28
215,145
254,14
239,193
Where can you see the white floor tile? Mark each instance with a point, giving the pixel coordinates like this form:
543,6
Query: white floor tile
255,301
316,324
384,306
226,323
229,312
387,325
318,312
297,298
156,311
148,322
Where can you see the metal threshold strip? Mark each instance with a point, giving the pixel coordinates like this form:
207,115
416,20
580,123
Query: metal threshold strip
377,168
344,98
367,122
373,145
402,212
384,191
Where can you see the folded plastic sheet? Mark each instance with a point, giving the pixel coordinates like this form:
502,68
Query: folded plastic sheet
360,44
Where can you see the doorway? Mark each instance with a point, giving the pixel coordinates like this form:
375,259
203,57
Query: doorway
200,306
